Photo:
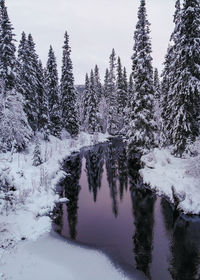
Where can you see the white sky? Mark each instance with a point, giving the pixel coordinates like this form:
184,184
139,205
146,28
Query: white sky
94,27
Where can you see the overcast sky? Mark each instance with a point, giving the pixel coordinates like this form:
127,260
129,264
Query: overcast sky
94,27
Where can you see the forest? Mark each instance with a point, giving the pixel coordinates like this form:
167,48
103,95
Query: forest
46,118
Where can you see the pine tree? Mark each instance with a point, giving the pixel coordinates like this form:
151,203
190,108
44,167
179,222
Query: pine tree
97,83
21,65
85,102
125,82
68,93
93,122
113,117
37,159
127,111
52,91
141,133
120,87
7,50
106,93
27,79
156,83
168,77
43,109
185,87
157,98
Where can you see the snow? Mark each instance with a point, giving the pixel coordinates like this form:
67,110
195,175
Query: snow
26,216
164,172
53,258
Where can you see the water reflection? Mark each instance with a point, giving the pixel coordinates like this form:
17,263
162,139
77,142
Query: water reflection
122,170
111,170
143,212
185,244
94,167
71,189
110,207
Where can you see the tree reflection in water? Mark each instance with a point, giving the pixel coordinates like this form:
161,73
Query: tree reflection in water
112,220
185,244
143,211
94,167
71,188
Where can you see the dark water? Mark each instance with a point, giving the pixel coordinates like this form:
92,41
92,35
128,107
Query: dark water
111,209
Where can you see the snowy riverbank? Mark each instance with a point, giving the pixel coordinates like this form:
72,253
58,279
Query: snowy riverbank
25,216
164,172
53,258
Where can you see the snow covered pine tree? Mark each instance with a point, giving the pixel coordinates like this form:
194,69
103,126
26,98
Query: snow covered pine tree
68,94
142,128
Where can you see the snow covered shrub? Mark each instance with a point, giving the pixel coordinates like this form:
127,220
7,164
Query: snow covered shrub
7,189
15,131
37,160
193,167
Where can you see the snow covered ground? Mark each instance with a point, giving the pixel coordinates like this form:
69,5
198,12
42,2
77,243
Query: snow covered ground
164,172
52,258
25,216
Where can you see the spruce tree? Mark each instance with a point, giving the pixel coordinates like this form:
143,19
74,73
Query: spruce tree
129,105
120,87
157,103
27,79
156,83
52,91
185,88
7,50
97,83
93,122
125,83
43,108
68,94
105,89
85,102
113,117
141,133
168,77
21,64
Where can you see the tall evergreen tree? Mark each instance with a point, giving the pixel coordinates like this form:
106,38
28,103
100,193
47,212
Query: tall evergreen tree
120,87
113,121
7,50
156,83
184,90
157,98
125,82
43,108
106,78
21,65
27,78
127,111
97,83
168,77
52,91
142,128
68,93
85,102
93,122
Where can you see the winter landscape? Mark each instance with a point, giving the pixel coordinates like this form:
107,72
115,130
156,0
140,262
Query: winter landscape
100,179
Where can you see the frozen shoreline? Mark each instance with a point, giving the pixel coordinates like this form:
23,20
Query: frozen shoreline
51,258
162,171
35,193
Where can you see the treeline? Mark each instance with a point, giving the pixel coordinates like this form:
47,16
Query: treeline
32,98
148,113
